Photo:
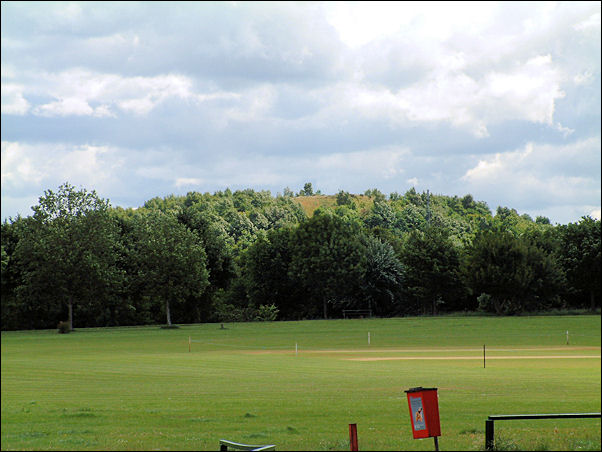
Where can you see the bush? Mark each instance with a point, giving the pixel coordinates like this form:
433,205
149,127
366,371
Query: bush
227,312
267,313
485,302
63,327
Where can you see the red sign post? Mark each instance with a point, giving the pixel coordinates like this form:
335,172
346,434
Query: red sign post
353,437
424,413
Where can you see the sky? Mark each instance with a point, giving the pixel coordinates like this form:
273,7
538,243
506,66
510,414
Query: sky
138,100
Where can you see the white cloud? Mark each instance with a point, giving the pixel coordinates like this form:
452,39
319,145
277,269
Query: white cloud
591,22
245,94
19,167
386,163
76,89
103,111
252,105
583,78
541,173
138,106
65,107
187,182
447,94
471,65
280,171
27,165
488,170
566,131
13,102
359,23
529,92
92,164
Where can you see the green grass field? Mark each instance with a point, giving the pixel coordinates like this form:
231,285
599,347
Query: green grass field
140,388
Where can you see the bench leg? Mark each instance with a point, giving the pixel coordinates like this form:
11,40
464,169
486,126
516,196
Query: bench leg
489,443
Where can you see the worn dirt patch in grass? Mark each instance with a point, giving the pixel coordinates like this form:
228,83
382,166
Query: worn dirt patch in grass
420,350
395,358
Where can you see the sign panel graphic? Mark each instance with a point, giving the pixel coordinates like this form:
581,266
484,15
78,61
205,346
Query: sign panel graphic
417,413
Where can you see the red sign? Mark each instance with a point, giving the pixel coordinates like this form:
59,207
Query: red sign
424,412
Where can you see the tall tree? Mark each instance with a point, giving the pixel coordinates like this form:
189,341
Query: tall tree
170,260
67,251
432,269
345,199
266,274
382,215
327,260
307,190
219,250
515,274
580,256
383,278
10,308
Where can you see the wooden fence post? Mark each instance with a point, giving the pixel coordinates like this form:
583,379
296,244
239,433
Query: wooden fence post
353,437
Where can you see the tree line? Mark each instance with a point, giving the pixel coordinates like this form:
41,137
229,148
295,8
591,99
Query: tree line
248,255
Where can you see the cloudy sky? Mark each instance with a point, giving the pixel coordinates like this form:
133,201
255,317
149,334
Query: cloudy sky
137,100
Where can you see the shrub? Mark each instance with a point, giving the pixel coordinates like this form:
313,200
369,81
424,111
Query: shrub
227,312
485,302
267,313
63,327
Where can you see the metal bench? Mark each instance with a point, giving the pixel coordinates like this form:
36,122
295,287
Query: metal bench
224,445
356,313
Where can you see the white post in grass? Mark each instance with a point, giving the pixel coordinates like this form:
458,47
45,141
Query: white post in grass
567,337
368,337
189,344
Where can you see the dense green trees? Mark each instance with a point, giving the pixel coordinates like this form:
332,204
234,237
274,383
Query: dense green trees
67,251
248,255
383,278
11,308
267,279
169,260
579,255
432,270
327,260
512,273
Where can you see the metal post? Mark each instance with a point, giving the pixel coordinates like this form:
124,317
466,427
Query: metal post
353,437
483,356
489,434
436,443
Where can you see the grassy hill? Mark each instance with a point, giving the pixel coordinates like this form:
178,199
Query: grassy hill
311,203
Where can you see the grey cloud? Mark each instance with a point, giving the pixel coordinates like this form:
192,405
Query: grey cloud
273,98
230,43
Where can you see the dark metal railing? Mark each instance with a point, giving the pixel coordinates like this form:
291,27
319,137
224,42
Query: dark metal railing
489,430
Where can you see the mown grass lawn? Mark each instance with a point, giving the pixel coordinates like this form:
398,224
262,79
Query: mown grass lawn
139,388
